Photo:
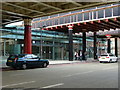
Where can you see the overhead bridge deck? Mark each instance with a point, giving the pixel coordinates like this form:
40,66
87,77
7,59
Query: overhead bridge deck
93,19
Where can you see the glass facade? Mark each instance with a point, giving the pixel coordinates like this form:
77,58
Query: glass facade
54,45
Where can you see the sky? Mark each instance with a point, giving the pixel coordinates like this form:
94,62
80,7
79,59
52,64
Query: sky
14,24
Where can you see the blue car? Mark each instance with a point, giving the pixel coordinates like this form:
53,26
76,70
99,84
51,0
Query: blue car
23,61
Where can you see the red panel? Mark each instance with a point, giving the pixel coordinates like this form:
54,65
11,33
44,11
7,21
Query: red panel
70,27
47,29
61,26
43,29
99,21
78,24
85,23
106,20
52,28
115,19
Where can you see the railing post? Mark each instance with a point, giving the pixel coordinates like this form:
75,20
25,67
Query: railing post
96,14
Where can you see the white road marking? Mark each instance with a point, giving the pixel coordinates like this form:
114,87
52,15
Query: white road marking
50,86
18,84
78,74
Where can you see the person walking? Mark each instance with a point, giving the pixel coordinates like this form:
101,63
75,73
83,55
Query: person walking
80,55
76,55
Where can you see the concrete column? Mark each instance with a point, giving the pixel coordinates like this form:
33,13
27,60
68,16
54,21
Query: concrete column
62,53
53,51
41,42
4,47
95,47
70,30
27,36
83,45
108,46
116,48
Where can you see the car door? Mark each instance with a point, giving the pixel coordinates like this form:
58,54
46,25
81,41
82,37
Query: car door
112,57
29,60
35,60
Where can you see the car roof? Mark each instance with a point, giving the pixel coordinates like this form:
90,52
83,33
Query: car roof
106,54
18,54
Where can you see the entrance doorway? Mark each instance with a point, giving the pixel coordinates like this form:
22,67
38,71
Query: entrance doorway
47,52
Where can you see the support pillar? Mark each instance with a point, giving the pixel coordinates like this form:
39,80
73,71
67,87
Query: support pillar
95,46
53,51
70,30
116,48
109,46
83,46
27,36
4,47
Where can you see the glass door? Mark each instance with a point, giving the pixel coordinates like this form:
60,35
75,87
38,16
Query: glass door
47,52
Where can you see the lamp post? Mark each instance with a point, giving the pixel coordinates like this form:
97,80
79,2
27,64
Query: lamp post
40,47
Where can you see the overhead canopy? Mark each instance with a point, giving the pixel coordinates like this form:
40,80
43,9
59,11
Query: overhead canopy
15,11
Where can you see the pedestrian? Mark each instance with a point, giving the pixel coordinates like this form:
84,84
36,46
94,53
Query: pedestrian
80,55
76,55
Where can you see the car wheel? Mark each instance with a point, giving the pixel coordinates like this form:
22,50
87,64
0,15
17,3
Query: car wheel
14,67
44,65
100,61
24,66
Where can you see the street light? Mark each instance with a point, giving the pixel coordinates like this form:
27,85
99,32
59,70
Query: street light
40,47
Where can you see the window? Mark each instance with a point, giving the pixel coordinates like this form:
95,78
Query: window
108,12
100,13
12,56
111,55
29,56
34,56
104,55
20,56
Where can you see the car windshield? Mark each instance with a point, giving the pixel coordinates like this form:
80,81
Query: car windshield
12,56
20,56
34,56
104,55
111,55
